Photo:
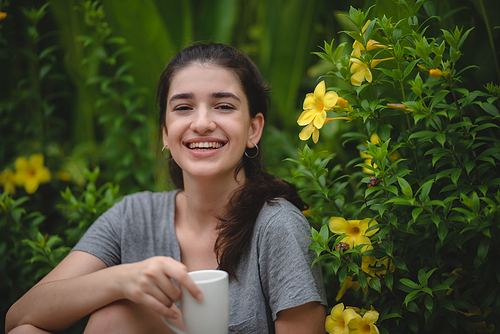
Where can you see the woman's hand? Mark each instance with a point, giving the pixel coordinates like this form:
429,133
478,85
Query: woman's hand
149,283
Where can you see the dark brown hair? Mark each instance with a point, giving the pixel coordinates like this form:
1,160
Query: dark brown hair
237,224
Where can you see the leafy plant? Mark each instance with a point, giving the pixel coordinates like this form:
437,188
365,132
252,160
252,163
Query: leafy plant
413,232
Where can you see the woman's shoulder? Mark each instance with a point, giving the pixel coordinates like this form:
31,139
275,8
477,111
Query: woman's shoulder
280,214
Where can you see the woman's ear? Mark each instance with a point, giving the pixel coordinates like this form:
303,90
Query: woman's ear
255,132
165,137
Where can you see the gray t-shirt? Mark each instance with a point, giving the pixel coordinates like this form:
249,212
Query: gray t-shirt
274,273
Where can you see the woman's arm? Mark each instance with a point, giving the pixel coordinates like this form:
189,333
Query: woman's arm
82,283
304,319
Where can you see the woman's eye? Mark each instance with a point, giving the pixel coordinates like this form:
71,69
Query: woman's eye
182,108
225,107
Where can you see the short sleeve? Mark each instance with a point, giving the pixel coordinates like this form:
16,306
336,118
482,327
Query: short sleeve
288,280
102,239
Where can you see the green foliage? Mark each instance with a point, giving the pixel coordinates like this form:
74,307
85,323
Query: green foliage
26,253
430,180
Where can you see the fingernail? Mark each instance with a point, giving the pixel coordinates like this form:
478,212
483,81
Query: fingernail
175,316
199,296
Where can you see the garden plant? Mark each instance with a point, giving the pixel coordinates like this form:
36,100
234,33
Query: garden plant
399,144
410,238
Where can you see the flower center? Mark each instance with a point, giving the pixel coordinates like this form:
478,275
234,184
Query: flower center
319,105
365,328
31,172
354,231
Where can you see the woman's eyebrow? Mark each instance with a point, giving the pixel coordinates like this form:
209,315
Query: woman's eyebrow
219,95
181,96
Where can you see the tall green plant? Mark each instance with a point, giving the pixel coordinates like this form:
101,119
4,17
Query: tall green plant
411,237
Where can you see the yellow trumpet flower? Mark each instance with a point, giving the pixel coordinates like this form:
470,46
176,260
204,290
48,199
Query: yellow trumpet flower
30,173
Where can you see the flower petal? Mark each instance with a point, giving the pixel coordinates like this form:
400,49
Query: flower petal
320,90
370,317
357,78
337,310
338,225
368,75
330,100
31,185
315,135
21,164
365,224
352,319
36,160
43,175
309,101
306,132
375,139
319,120
306,117
358,240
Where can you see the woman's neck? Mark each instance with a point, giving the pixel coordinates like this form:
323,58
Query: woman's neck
202,200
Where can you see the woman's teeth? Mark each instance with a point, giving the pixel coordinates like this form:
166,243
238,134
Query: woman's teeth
211,145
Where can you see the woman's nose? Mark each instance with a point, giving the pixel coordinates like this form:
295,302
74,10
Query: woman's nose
203,121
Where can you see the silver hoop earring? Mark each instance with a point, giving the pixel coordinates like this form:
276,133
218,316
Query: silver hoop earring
163,149
256,153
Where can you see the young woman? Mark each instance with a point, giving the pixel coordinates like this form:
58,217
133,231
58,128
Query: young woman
227,213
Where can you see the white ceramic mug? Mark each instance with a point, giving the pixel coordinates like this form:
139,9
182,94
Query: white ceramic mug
211,315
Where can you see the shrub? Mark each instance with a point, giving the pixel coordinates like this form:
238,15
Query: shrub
407,230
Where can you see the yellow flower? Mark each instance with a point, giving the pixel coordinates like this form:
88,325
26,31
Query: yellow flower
7,178
3,15
436,73
340,319
357,47
316,105
354,229
368,265
342,103
367,325
361,70
399,106
479,327
368,161
348,284
31,173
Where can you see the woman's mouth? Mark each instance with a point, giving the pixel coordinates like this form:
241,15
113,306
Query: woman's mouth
205,145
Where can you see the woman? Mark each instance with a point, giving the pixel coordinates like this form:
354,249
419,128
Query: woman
227,214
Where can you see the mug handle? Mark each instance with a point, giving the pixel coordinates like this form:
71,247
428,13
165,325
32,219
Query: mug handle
172,326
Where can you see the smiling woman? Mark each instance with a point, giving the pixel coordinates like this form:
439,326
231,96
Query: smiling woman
227,214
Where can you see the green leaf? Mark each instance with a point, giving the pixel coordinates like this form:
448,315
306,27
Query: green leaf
405,187
455,175
442,232
389,316
438,98
429,303
409,283
399,263
482,250
375,284
412,296
416,212
490,109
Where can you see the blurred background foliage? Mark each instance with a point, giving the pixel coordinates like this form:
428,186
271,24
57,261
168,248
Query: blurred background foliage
78,81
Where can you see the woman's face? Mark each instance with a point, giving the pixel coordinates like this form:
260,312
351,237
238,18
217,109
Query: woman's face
207,123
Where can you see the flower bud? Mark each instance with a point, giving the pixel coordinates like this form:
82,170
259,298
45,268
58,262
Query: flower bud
436,73
342,103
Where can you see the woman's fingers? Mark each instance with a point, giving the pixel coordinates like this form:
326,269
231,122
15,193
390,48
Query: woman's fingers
187,282
151,284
